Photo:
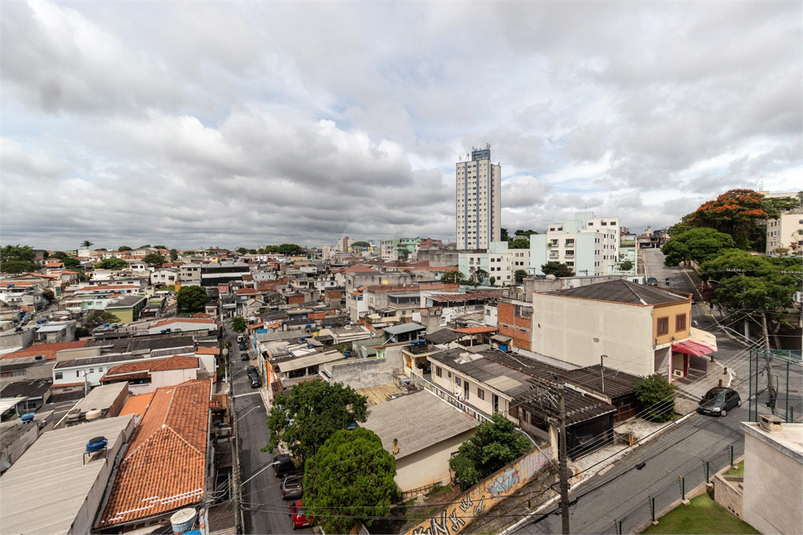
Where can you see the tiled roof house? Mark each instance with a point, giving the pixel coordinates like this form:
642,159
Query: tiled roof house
164,469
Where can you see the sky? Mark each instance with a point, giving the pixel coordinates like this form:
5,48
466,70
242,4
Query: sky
193,124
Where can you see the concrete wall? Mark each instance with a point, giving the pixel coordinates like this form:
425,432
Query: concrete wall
368,372
728,493
580,330
172,377
773,482
428,466
14,340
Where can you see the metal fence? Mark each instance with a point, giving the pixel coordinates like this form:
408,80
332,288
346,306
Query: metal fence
776,383
661,502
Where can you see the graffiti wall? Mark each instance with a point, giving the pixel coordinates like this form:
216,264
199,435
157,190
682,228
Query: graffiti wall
483,496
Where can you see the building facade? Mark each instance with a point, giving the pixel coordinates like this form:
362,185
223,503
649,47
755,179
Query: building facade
479,203
588,245
498,261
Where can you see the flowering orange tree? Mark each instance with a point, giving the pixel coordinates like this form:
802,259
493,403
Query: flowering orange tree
738,213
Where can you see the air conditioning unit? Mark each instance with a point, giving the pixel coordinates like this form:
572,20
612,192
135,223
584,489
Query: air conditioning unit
677,373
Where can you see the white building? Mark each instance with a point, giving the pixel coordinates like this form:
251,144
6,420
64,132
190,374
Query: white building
479,201
497,261
588,245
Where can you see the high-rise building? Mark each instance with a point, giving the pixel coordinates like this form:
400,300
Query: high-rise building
479,201
588,245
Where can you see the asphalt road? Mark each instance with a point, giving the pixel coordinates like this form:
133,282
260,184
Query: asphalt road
265,510
622,493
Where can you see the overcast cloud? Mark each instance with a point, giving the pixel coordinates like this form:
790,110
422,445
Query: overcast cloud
191,124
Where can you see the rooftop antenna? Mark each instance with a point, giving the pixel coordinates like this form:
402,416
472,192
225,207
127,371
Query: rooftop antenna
761,184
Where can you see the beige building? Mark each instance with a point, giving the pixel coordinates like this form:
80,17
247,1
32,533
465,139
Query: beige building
786,232
773,476
421,431
641,329
479,201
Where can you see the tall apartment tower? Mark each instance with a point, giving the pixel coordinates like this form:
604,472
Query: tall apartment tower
479,206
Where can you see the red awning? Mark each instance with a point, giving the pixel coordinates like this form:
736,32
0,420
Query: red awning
692,348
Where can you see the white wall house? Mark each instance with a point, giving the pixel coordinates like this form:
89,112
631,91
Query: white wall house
498,261
785,232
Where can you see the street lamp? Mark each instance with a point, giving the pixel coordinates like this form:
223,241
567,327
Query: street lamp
259,472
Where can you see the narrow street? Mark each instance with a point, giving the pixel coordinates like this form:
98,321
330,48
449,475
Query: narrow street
264,509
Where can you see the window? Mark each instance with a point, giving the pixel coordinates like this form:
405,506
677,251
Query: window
448,375
78,373
457,381
480,393
58,375
680,322
663,326
438,372
91,370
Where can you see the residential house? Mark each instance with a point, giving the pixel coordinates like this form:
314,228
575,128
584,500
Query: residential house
421,432
127,308
165,466
146,376
786,233
55,487
642,329
497,261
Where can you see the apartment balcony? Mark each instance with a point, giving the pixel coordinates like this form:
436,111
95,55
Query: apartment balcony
569,245
553,244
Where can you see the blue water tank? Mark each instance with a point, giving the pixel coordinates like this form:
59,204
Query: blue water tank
105,325
503,347
96,444
27,418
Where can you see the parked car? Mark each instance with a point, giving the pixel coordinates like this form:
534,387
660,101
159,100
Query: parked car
299,516
718,401
292,488
244,357
242,346
652,281
251,369
284,465
255,383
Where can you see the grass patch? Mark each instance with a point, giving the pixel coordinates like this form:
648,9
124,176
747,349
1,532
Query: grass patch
738,471
702,517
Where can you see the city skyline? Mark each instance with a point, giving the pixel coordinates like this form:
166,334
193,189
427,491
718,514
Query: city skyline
126,123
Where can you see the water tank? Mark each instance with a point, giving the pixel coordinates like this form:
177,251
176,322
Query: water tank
182,520
27,418
93,414
39,357
96,444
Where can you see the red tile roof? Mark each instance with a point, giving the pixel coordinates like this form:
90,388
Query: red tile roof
246,291
166,462
176,362
130,367
136,404
207,351
168,321
48,350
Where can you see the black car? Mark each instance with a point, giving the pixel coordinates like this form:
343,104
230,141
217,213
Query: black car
251,369
242,346
244,357
255,383
718,401
283,465
652,281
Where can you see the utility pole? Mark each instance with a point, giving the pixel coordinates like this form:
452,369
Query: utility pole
563,463
602,371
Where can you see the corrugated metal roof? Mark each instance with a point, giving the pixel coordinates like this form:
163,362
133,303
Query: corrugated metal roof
44,491
621,291
404,328
312,360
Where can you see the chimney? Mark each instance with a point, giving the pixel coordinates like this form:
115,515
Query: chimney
395,446
770,423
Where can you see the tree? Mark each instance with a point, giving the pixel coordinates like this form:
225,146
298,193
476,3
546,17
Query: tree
191,299
289,249
351,475
697,244
478,275
759,288
147,245
124,248
364,244
657,397
494,445
238,324
520,243
504,235
737,213
173,255
242,250
23,253
67,260
492,280
557,268
627,265
82,332
111,263
160,247
49,295
527,233
87,244
18,266
96,318
312,413
452,277
520,275
154,259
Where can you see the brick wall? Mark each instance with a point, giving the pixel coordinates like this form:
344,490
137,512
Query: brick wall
514,323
